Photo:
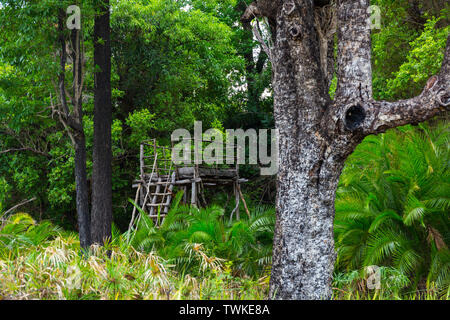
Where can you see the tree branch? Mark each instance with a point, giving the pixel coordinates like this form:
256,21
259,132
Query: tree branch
411,111
17,206
251,13
434,99
267,49
260,8
373,117
25,144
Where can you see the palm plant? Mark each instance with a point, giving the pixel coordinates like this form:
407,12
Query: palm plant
392,205
20,230
188,235
249,241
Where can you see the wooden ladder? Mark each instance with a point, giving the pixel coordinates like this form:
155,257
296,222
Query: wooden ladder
161,196
155,190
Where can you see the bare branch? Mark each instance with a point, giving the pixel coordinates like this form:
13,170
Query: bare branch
25,144
394,114
264,45
17,206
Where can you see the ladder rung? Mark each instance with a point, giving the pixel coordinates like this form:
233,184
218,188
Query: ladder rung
161,194
159,159
157,204
156,177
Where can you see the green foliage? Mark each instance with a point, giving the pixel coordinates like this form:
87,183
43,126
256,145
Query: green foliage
38,261
42,166
20,230
170,67
392,205
408,49
140,122
423,60
173,62
188,236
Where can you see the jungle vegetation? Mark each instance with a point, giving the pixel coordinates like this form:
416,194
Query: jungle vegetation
175,62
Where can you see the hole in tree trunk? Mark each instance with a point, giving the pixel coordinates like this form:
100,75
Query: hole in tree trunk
445,100
295,32
321,3
354,117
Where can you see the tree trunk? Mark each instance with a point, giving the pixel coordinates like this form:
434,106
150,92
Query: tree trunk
317,135
304,256
82,190
101,217
74,124
307,179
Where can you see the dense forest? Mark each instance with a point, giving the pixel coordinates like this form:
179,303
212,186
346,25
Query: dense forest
149,67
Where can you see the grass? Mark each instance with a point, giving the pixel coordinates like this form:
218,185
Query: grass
53,268
39,261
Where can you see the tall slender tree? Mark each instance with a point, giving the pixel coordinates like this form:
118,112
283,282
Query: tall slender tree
73,121
101,216
317,133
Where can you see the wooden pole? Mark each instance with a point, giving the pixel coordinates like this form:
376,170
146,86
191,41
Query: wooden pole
236,193
184,195
194,194
236,184
155,197
142,164
134,212
243,200
169,197
141,161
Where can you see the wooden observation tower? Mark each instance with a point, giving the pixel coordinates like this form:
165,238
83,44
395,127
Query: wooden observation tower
160,177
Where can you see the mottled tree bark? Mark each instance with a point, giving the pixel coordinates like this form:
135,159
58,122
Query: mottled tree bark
317,134
101,217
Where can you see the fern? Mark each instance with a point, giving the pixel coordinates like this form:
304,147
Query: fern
393,191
